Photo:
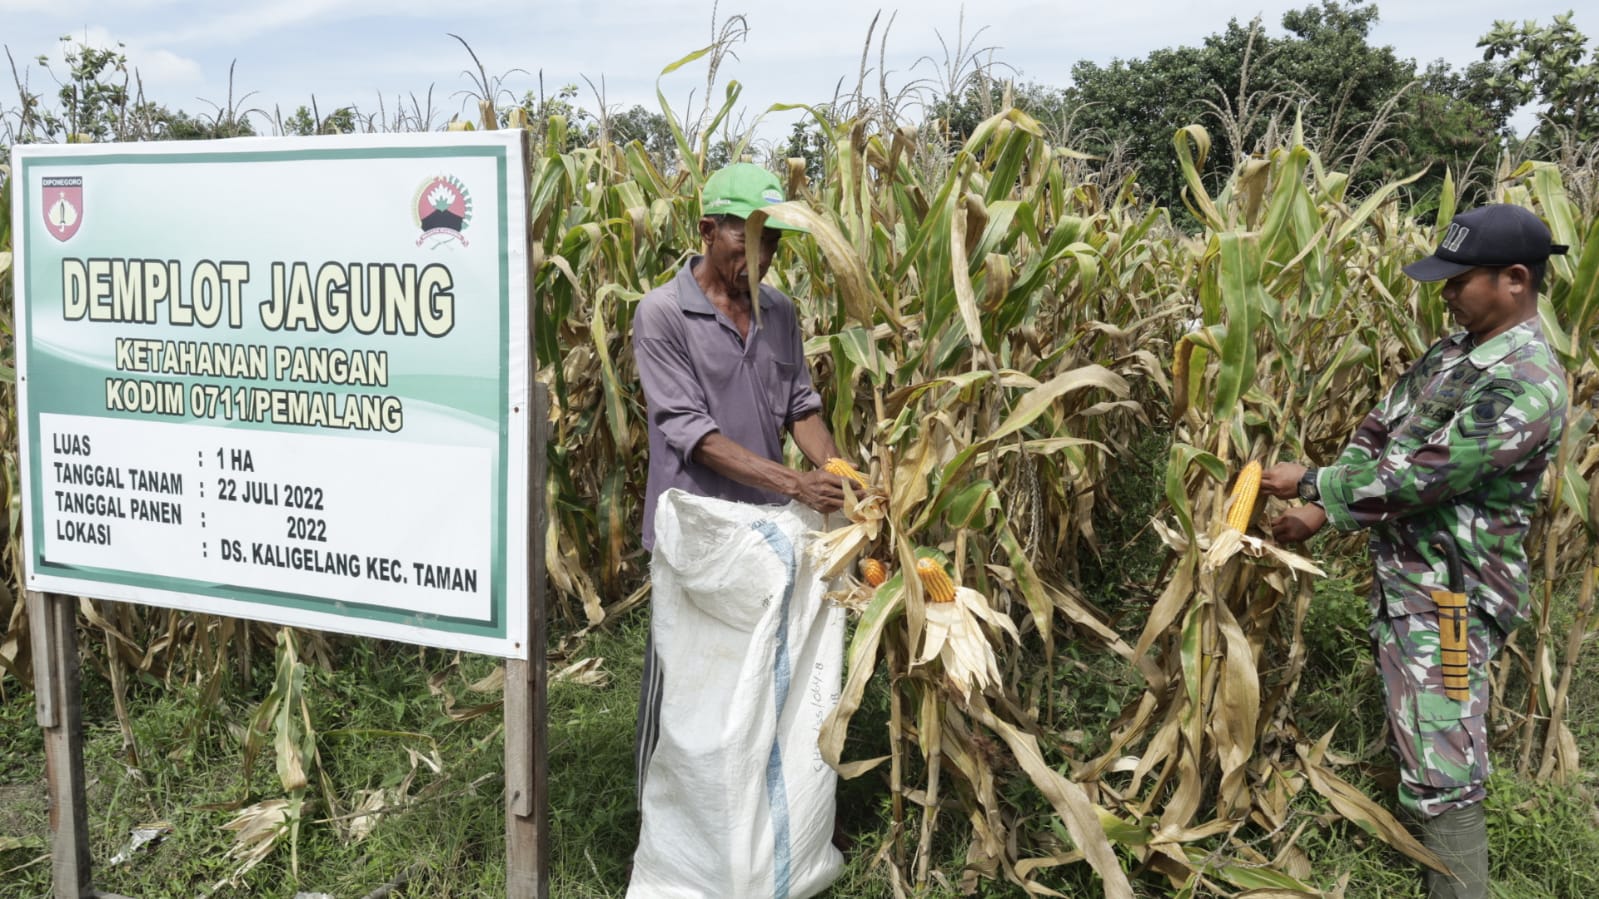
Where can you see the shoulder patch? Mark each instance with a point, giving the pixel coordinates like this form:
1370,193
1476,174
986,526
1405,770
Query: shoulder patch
1490,406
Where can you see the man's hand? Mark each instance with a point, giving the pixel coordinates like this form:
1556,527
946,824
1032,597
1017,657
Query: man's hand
1282,480
1298,524
821,490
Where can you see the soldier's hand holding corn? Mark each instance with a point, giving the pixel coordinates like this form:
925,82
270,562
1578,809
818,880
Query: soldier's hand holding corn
1282,480
1298,524
1286,480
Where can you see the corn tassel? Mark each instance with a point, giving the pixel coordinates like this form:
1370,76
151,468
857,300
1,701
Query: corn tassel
935,581
1242,509
873,571
843,469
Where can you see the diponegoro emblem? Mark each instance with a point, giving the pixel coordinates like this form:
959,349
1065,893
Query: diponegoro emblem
62,203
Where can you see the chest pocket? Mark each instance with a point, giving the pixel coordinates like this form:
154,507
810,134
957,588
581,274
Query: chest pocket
778,380
1438,402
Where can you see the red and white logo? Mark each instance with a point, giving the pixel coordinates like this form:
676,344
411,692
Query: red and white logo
442,208
63,206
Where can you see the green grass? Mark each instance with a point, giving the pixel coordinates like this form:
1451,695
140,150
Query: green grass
368,711
448,841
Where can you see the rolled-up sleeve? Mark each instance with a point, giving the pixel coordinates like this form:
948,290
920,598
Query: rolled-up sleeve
803,399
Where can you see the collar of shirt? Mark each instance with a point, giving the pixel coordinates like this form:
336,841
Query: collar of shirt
692,299
1498,347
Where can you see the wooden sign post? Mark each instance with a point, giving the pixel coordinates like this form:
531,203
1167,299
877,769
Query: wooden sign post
58,704
527,816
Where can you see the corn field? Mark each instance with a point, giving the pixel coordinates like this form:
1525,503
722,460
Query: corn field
994,326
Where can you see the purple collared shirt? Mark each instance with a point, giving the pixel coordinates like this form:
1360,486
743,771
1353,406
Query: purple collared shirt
699,376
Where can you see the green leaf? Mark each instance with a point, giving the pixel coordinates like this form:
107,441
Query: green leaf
972,506
1183,456
858,346
1243,298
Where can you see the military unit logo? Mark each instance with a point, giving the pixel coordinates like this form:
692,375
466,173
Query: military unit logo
443,210
63,206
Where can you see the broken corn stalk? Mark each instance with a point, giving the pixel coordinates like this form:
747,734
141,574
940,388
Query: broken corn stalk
935,581
843,469
1242,506
1179,378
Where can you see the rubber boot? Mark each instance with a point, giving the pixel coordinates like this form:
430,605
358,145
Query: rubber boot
1459,837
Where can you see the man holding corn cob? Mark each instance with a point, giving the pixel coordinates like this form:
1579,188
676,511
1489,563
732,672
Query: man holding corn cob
1453,454
724,377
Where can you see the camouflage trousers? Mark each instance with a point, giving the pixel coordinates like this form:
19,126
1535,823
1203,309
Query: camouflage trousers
1441,743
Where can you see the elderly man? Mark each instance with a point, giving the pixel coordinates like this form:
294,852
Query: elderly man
1453,454
724,377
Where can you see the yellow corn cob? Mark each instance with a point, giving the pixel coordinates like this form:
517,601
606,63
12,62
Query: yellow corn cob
1245,490
935,581
843,469
874,571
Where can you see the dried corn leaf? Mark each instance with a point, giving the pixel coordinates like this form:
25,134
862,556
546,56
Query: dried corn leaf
256,830
955,637
370,807
1371,817
862,661
493,682
587,672
1080,815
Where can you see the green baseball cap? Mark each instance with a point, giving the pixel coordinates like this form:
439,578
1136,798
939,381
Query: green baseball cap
740,189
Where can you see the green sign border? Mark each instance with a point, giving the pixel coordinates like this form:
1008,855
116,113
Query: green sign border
496,625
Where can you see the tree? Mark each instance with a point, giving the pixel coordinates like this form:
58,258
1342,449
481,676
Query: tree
178,125
648,128
96,104
959,116
1368,111
306,121
94,100
1527,63
581,126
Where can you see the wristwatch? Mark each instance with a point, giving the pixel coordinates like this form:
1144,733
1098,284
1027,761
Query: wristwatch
1307,486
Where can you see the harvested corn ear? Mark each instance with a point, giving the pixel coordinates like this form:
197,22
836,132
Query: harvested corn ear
1242,507
935,581
874,571
843,469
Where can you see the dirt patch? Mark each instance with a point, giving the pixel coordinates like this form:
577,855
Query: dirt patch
24,810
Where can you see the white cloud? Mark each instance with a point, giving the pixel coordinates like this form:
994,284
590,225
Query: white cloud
157,66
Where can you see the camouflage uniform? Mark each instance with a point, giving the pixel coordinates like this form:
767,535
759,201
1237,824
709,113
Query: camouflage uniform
1458,445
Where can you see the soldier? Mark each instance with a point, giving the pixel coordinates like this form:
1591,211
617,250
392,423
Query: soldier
1457,448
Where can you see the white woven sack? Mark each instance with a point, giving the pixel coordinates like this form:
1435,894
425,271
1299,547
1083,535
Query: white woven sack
737,800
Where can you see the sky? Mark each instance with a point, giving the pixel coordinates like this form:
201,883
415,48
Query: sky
378,53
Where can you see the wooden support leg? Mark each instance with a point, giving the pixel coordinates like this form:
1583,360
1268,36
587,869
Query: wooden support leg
58,707
527,819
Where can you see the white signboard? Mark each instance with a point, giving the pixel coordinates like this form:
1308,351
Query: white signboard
283,379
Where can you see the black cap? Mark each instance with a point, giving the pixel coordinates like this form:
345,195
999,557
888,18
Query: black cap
1494,235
